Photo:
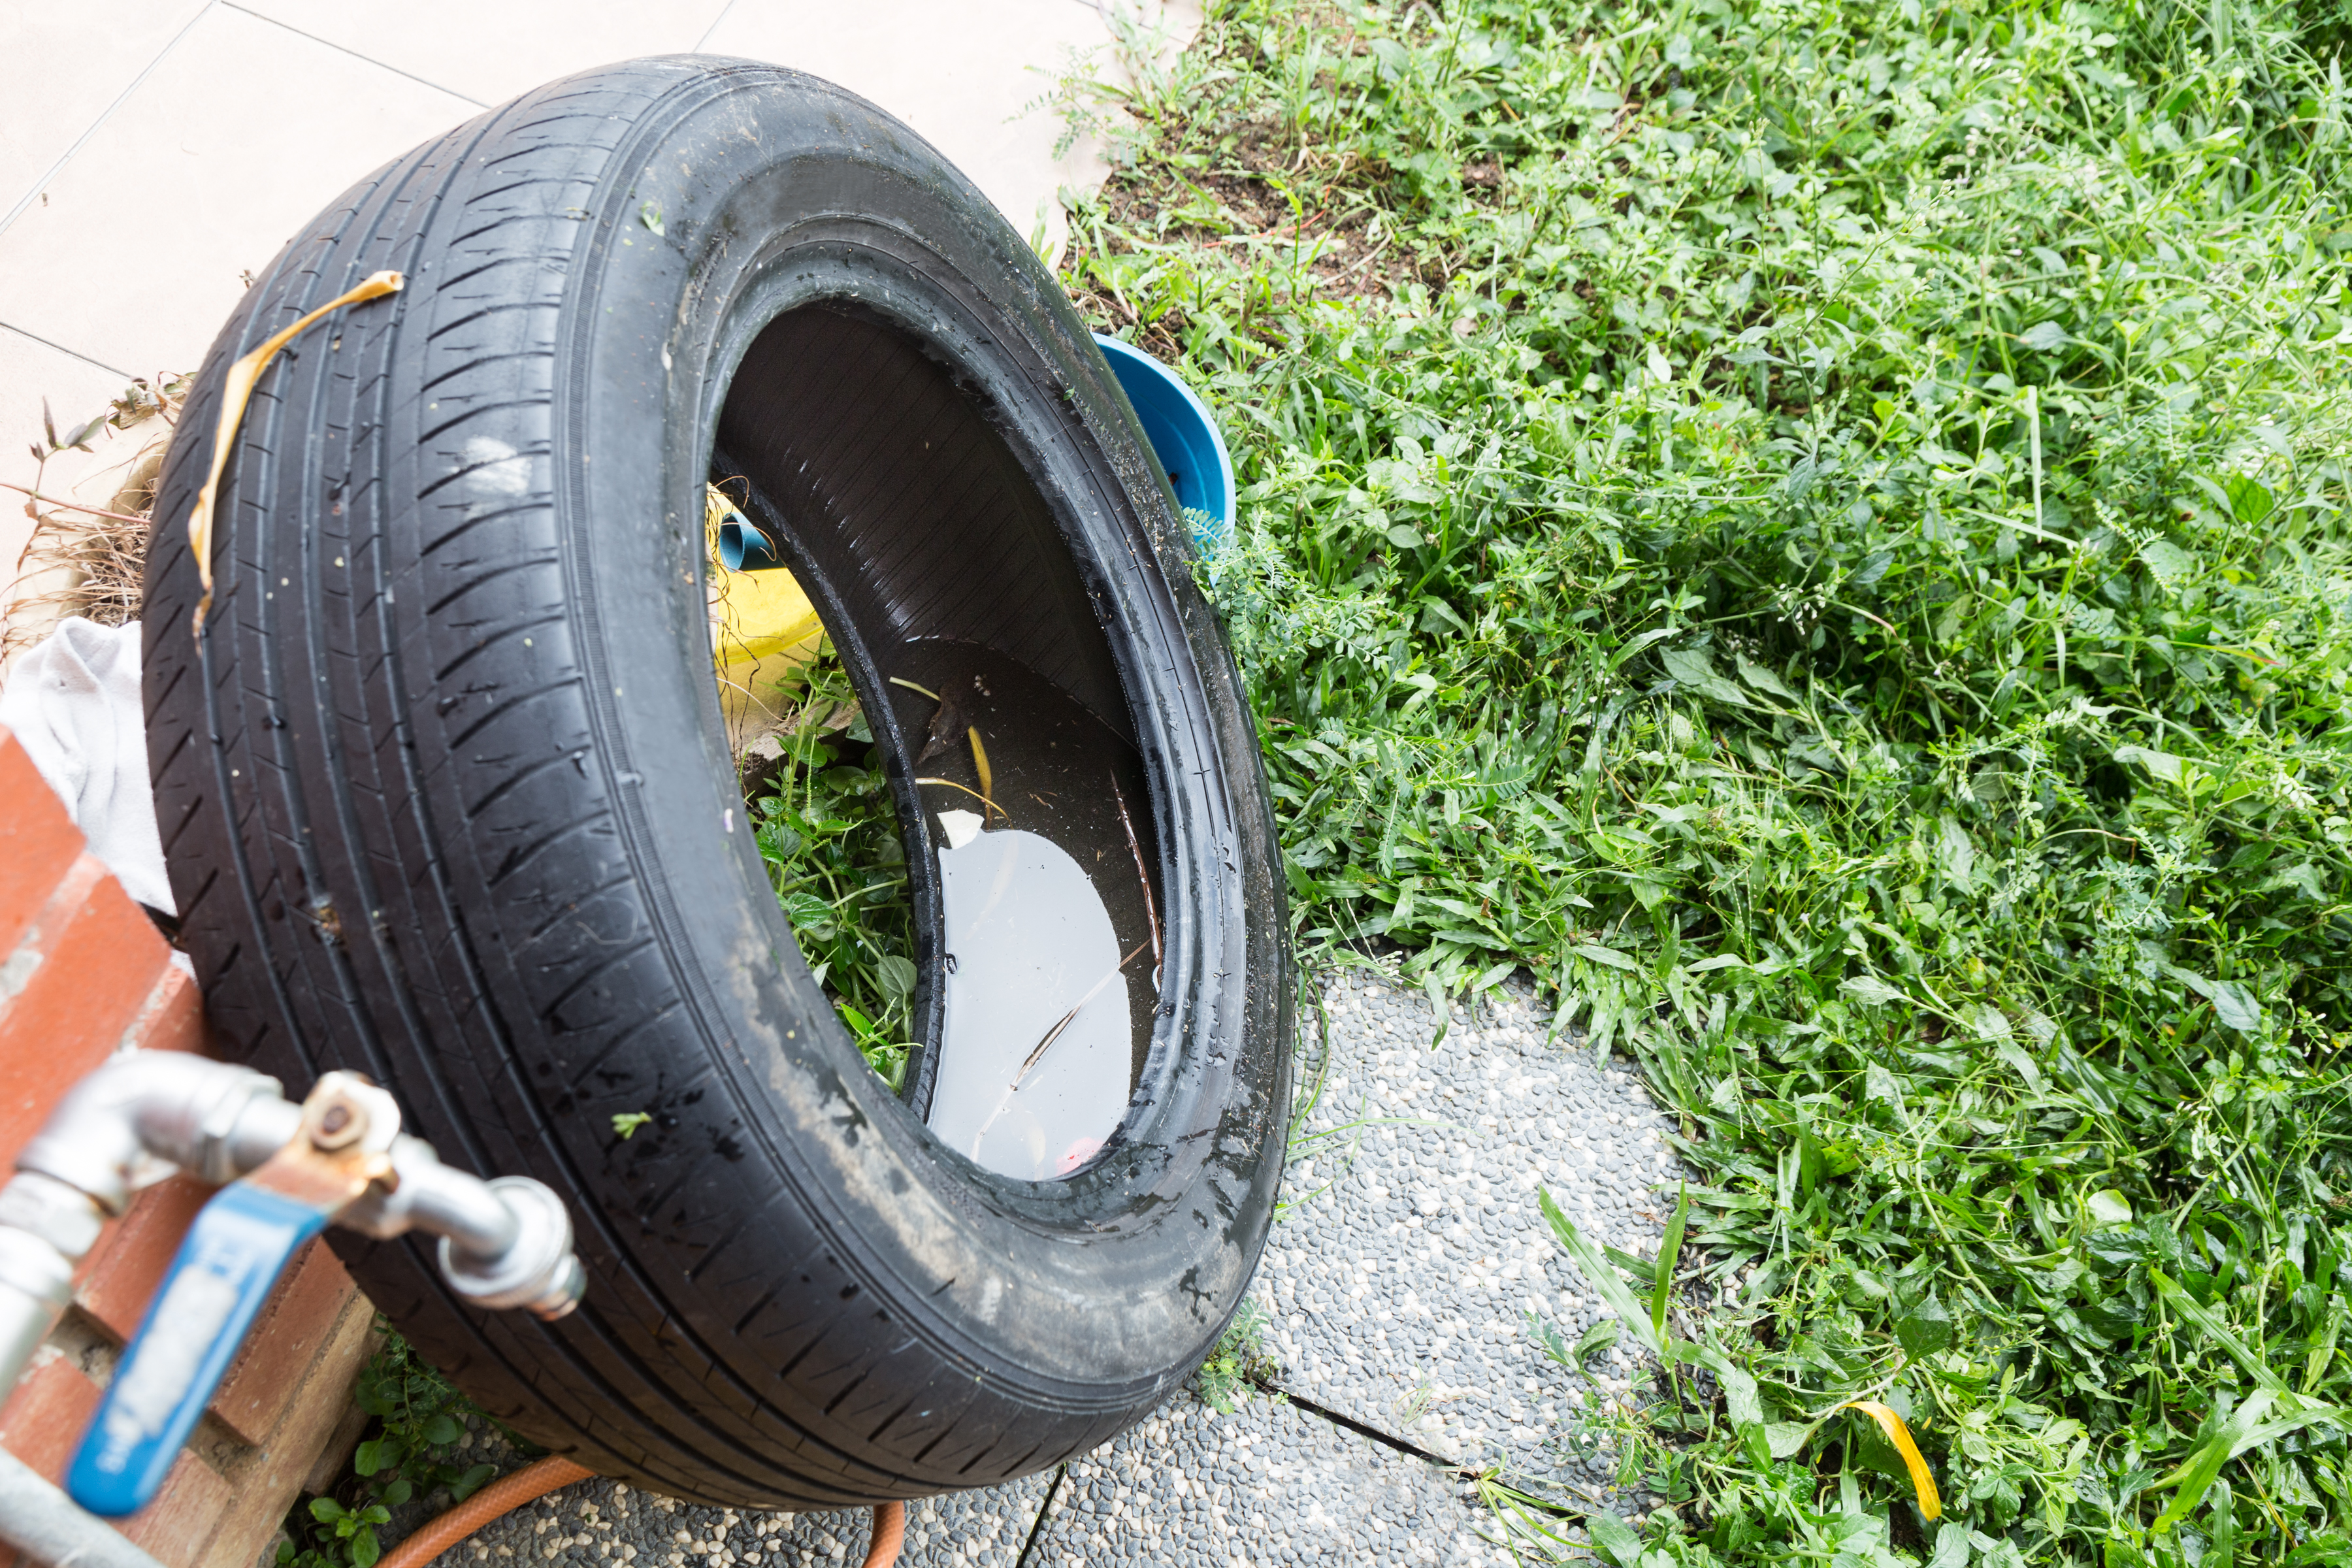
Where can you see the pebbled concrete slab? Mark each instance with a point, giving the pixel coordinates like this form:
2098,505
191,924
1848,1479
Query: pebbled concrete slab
1398,1291
598,1523
1268,1484
1402,1281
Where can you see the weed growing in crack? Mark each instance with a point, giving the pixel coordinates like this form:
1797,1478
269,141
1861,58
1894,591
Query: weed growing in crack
1239,1360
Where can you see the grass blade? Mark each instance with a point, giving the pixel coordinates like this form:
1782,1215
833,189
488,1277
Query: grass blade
1595,1268
1661,1278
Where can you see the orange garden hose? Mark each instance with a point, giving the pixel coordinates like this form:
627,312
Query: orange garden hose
889,1533
542,1476
534,1481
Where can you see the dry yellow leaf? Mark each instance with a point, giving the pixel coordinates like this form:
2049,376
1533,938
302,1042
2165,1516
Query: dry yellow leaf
236,389
980,765
1922,1480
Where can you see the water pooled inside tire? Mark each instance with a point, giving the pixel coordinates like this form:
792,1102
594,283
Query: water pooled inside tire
1050,931
1036,964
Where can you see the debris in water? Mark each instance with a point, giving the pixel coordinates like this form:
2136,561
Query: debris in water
1151,906
947,729
980,766
1035,1057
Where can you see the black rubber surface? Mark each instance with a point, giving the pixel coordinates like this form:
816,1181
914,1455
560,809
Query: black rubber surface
446,795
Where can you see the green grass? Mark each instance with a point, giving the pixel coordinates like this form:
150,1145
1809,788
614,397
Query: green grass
1819,533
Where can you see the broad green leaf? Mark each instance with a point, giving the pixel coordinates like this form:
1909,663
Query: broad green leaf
1602,1335
1763,679
897,975
2171,565
2164,765
1870,989
1925,1329
466,1485
1615,1537
1957,854
1740,1401
1689,666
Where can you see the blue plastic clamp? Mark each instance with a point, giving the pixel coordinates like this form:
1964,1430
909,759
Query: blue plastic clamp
226,1268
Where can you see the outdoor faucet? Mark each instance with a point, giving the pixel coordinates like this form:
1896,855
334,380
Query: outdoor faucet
289,1170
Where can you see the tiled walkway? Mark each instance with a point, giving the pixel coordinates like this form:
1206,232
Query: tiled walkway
154,151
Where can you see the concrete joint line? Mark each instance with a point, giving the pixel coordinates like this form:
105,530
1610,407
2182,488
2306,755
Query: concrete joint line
1045,1512
331,44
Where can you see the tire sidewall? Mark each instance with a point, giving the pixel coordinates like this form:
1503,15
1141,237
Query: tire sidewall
750,190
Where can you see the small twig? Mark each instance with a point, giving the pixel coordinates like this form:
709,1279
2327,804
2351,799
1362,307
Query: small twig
1150,908
980,765
1066,1020
73,506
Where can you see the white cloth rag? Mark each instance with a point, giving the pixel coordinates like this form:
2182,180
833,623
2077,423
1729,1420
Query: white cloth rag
73,704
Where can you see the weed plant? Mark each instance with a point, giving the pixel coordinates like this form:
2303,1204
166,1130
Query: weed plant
1819,530
1237,1362
413,1449
829,836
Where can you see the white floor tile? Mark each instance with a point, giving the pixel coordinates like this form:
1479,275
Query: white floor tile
492,50
239,137
65,65
76,390
963,73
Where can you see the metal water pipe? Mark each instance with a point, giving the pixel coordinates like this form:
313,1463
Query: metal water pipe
338,1156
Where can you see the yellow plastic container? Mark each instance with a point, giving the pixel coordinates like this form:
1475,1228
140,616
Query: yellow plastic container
764,633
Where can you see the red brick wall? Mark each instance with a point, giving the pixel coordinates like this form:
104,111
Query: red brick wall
83,972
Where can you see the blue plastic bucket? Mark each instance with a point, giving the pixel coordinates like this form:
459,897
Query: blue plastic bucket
1182,436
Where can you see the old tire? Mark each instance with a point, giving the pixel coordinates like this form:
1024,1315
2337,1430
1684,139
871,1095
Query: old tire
446,797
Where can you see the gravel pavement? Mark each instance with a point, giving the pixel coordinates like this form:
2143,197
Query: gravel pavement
599,1522
1401,1283
1398,1293
1268,1484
